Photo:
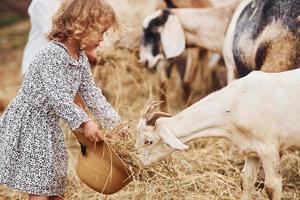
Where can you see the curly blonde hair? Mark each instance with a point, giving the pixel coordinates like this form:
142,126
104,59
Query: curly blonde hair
82,16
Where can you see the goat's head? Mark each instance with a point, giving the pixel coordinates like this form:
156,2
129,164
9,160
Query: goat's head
163,38
154,140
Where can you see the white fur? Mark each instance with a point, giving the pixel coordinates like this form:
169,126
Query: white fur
259,114
228,42
172,37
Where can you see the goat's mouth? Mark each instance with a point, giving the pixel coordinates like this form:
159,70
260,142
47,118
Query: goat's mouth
144,159
152,63
151,69
145,163
148,162
149,64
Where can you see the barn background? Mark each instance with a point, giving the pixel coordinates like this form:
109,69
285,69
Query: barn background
209,169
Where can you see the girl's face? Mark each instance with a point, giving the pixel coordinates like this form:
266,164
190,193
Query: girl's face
93,41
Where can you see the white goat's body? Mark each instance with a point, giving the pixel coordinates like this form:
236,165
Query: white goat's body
262,106
259,114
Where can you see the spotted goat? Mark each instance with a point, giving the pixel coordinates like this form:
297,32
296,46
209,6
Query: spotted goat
251,35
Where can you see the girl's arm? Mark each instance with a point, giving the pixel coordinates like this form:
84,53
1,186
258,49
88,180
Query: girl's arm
54,73
96,102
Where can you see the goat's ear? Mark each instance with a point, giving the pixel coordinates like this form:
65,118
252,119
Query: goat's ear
172,37
172,141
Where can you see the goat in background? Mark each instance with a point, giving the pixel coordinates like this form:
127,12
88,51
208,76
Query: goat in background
250,34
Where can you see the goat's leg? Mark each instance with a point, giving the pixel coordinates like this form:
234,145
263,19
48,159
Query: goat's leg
163,95
248,176
271,164
190,72
161,70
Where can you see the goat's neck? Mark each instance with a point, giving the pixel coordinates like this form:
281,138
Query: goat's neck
206,27
208,118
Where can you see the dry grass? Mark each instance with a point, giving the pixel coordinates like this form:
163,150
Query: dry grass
12,41
208,170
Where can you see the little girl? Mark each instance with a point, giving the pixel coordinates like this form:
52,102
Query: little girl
33,156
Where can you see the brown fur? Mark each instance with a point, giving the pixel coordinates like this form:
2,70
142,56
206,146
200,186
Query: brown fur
241,184
282,51
192,3
283,54
270,192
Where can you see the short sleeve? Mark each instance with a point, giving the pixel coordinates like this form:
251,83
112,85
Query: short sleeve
58,91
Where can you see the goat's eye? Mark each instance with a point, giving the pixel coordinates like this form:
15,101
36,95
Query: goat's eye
148,142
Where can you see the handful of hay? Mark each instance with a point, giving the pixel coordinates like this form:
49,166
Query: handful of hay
125,148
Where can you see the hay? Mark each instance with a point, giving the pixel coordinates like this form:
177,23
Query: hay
158,173
209,170
167,180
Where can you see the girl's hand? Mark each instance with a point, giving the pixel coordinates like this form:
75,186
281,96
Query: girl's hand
91,131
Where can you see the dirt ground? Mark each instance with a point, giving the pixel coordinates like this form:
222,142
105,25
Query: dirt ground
210,168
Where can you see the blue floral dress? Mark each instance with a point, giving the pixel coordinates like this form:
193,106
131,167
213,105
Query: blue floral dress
33,156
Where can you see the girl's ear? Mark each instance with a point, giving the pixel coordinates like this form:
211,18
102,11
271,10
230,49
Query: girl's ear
172,37
78,36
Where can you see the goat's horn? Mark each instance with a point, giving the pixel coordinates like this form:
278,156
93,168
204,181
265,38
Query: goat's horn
151,108
151,121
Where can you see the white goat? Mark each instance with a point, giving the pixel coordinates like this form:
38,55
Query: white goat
259,114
